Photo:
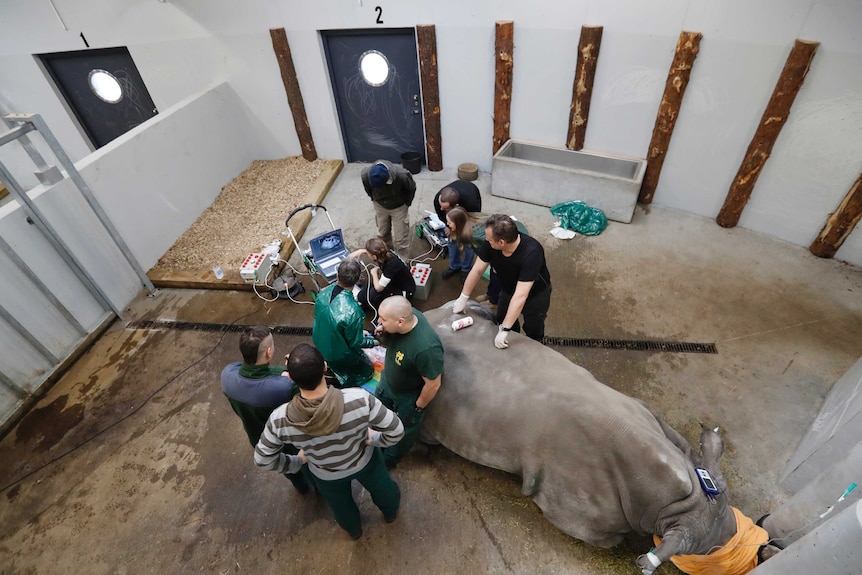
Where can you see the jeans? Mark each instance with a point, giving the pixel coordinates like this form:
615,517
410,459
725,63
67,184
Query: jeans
457,261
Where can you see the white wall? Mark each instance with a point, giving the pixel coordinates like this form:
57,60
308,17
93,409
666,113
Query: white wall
181,46
153,182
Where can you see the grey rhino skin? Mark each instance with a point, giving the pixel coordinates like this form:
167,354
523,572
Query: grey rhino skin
598,463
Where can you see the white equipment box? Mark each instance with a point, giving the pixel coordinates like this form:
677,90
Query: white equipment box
422,278
255,268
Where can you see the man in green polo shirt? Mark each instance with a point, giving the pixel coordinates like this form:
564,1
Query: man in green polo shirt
412,371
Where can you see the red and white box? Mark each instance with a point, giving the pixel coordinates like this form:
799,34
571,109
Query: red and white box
254,268
422,279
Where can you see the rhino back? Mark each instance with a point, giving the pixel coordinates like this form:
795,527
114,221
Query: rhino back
595,461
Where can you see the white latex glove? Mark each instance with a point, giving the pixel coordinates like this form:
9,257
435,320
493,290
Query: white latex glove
461,303
500,340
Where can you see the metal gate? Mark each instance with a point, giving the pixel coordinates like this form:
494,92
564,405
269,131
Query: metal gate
50,305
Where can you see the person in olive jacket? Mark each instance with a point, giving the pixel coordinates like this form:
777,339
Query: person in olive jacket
391,189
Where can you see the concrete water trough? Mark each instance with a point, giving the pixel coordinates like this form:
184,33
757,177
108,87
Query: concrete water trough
548,175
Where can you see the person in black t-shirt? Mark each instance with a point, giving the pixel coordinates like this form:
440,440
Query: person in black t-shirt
519,261
458,193
392,277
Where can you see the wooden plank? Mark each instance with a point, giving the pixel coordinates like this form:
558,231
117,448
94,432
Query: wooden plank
774,118
504,49
582,90
205,279
426,36
687,47
840,223
294,94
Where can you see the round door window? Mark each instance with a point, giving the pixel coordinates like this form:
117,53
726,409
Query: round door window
106,86
374,68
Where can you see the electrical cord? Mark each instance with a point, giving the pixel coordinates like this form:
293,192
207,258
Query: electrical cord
369,284
421,259
272,287
129,414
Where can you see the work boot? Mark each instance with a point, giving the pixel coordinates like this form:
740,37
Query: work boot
449,273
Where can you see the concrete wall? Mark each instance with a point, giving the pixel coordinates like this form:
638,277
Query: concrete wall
836,431
182,46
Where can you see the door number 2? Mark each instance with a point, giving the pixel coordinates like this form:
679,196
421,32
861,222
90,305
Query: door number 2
379,11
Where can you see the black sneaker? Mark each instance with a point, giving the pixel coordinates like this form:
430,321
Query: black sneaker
449,273
356,535
464,274
390,518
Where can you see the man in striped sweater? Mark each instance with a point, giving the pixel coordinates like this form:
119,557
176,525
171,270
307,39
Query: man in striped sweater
339,433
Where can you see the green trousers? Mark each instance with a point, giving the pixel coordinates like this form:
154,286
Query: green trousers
404,405
376,479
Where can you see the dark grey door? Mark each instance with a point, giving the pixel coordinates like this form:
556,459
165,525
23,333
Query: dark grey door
104,90
375,78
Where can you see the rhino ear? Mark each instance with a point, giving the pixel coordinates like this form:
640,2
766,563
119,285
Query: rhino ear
711,445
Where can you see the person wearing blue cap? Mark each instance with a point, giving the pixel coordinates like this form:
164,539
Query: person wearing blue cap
391,189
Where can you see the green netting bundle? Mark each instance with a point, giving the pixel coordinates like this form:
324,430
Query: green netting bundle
580,217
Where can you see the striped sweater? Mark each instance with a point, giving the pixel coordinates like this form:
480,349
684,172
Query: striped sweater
336,455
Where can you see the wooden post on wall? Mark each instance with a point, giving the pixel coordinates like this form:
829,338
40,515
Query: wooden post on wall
582,90
294,95
504,49
840,223
774,118
426,36
687,47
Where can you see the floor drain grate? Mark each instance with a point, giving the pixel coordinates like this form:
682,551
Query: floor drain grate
625,344
217,327
632,345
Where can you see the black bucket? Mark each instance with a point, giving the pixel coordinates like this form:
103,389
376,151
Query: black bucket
412,162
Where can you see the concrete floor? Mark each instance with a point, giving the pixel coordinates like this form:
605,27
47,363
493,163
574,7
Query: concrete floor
134,463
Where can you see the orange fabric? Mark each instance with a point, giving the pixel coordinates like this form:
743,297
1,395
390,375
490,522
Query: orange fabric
736,557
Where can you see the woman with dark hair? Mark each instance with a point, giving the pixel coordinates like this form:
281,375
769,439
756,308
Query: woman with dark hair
390,276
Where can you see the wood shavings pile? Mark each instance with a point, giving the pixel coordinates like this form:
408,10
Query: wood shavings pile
248,214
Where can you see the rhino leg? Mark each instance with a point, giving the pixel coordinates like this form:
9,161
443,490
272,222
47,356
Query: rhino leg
530,479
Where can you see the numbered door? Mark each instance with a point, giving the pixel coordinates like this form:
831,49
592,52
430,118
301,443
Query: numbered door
375,79
104,90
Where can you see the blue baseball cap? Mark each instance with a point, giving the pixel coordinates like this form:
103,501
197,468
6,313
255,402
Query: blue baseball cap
378,175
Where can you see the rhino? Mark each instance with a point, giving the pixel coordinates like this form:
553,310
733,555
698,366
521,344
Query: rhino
599,464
